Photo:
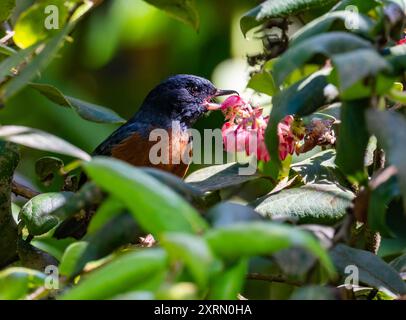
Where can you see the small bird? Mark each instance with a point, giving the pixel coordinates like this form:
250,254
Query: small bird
182,99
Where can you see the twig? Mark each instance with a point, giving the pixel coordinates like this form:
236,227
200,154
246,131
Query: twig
23,191
273,278
9,33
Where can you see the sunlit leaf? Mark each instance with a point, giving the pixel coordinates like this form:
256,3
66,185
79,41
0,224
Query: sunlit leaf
119,276
312,203
37,22
155,206
278,9
40,140
183,10
262,238
86,110
15,282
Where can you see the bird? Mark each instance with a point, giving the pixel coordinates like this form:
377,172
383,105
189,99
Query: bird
180,99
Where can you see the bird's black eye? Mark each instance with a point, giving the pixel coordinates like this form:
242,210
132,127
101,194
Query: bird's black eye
194,90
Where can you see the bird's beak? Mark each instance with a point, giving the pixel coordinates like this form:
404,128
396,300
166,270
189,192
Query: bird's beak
220,93
215,106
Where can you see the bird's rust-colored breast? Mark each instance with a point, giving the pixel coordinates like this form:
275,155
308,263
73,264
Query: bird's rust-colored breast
136,150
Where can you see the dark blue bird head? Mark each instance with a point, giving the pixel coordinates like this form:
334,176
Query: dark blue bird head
182,98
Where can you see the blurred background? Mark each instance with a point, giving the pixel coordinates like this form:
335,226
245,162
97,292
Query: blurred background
119,53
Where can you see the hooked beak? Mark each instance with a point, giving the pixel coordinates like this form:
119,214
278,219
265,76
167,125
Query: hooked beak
215,106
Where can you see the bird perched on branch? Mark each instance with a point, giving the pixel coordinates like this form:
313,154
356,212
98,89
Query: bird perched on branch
180,99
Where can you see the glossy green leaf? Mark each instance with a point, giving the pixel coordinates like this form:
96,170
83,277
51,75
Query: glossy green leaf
228,284
326,44
31,26
86,110
263,238
228,213
37,64
372,270
36,212
70,258
16,282
353,139
319,168
41,140
194,252
358,64
219,177
301,99
107,210
119,276
263,82
390,129
312,203
278,9
183,10
332,21
155,206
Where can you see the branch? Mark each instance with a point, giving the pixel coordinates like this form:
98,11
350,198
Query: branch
23,191
273,278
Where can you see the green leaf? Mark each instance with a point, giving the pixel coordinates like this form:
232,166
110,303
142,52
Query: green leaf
30,27
15,282
263,82
183,10
390,129
47,167
372,270
119,276
70,258
119,231
14,61
319,168
186,190
37,64
86,110
228,213
107,210
228,284
301,99
36,212
194,252
155,206
41,140
331,20
312,203
356,65
353,139
326,44
219,177
6,8
379,201
278,9
263,238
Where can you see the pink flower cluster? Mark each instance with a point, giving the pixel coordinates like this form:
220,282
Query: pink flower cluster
244,130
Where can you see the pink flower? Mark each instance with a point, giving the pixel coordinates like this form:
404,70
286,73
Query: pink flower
245,130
